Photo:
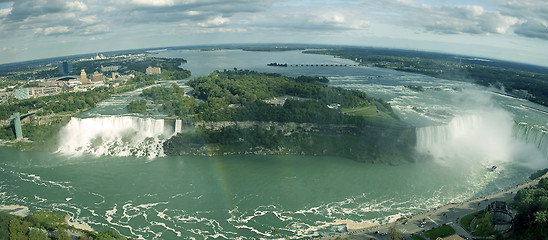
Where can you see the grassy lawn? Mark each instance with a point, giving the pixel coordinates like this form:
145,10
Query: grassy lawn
466,220
371,113
442,231
362,111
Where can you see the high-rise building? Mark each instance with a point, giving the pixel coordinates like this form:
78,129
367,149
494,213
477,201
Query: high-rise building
98,77
83,77
65,68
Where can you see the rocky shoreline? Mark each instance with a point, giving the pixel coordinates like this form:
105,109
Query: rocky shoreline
446,214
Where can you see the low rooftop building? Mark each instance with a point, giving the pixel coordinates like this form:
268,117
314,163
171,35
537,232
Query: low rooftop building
452,237
25,93
153,70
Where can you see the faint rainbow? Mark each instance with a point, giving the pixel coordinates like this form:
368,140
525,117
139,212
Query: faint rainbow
223,181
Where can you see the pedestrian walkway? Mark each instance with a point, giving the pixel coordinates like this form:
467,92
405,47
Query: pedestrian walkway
448,214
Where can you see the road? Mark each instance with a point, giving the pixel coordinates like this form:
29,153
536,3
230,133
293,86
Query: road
445,214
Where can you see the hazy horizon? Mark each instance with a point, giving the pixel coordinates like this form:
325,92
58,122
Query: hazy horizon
496,29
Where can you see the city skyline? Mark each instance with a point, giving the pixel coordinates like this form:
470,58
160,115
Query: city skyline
498,29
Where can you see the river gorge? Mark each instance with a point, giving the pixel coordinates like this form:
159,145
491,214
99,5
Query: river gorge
110,170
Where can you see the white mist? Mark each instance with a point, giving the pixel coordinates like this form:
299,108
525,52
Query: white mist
482,135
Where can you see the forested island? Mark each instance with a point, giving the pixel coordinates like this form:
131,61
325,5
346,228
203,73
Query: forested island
245,112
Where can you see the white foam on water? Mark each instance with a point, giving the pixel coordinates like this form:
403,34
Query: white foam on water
39,181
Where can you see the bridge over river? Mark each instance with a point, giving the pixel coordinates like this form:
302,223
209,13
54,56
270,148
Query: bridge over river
311,65
322,65
16,121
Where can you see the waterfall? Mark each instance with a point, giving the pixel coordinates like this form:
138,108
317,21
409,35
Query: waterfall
487,137
178,126
532,135
429,137
116,136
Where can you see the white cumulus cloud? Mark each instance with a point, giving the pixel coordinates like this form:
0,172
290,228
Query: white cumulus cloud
5,12
89,19
52,30
214,22
155,3
458,19
77,6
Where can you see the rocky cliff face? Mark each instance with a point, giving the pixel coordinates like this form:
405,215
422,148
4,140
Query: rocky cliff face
374,144
286,128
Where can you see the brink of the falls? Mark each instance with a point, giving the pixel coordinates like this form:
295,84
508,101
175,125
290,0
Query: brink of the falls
485,138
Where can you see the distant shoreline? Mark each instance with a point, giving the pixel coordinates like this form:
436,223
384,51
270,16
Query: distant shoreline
533,108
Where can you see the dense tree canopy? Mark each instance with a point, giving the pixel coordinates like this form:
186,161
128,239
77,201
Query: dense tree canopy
67,102
243,95
531,222
137,106
41,223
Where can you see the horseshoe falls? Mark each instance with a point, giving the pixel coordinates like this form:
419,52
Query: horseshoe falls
484,137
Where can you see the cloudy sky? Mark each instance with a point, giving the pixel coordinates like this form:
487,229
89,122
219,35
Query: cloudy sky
503,29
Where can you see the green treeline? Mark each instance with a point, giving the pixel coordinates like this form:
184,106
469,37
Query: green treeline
28,74
170,66
247,96
173,100
536,84
43,136
243,86
137,106
531,203
47,225
68,102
